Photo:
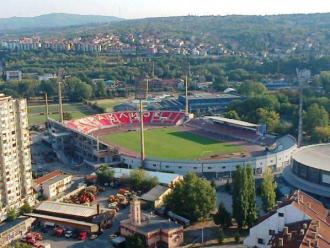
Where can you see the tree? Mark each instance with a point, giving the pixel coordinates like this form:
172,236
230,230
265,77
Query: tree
221,236
104,175
135,241
268,190
138,180
244,196
316,116
232,114
21,245
193,198
12,214
252,88
222,217
26,208
268,117
100,88
77,90
321,134
325,80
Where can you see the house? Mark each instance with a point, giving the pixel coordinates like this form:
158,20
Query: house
14,75
156,195
14,230
52,184
298,221
156,231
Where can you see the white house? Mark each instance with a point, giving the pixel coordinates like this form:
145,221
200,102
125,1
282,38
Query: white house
294,220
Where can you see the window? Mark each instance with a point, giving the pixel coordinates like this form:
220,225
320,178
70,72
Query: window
281,214
260,241
272,232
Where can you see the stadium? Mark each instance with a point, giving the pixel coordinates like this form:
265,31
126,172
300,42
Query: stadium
174,142
310,169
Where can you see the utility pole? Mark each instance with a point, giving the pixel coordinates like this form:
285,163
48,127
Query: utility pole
60,101
47,110
153,69
60,76
142,133
186,95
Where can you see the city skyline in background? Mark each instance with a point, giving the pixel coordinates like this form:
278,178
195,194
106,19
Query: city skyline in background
130,9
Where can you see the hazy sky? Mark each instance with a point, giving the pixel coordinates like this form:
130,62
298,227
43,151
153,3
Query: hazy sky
148,8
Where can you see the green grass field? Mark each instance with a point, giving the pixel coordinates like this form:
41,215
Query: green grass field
37,113
172,143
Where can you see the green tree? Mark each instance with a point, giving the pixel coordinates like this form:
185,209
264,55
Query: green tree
244,196
193,198
135,241
221,236
268,117
100,88
77,90
12,214
252,88
232,114
139,180
20,245
26,208
222,217
104,175
325,80
316,116
268,190
321,134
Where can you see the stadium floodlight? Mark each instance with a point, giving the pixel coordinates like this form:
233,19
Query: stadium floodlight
60,79
141,90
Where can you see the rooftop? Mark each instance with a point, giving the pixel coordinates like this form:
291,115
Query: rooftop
56,179
231,121
154,193
316,156
6,225
52,207
45,178
211,96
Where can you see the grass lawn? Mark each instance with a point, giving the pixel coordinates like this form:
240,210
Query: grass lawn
172,143
37,113
108,104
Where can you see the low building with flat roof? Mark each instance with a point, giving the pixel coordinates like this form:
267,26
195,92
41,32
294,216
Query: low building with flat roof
156,195
155,230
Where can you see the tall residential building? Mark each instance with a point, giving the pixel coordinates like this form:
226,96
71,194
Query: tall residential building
15,158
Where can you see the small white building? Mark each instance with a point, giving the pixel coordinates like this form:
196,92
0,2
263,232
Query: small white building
13,75
52,184
298,220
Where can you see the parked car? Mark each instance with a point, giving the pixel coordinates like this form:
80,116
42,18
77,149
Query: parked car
93,236
82,235
68,234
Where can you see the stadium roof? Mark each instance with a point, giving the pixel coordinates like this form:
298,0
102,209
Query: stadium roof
316,156
163,178
211,96
232,121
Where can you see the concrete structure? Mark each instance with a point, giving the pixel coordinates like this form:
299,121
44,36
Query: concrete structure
14,230
13,76
16,171
155,230
156,195
73,215
298,221
52,184
310,169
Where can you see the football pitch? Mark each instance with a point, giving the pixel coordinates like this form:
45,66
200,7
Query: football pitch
172,143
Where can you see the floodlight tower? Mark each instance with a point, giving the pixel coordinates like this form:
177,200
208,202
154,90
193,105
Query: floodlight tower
141,94
60,78
47,109
303,79
186,96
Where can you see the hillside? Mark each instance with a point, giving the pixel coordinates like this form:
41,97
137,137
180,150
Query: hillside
54,20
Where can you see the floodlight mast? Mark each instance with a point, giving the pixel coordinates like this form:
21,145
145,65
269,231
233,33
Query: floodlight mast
303,78
60,77
141,94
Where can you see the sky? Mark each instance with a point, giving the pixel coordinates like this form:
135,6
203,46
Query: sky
131,9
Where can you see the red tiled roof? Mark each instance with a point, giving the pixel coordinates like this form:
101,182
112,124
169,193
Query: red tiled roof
45,178
316,231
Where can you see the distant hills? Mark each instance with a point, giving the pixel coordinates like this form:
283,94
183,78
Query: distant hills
54,20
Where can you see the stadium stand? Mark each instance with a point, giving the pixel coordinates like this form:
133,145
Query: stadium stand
89,124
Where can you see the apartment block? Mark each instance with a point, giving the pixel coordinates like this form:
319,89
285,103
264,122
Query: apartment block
15,158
